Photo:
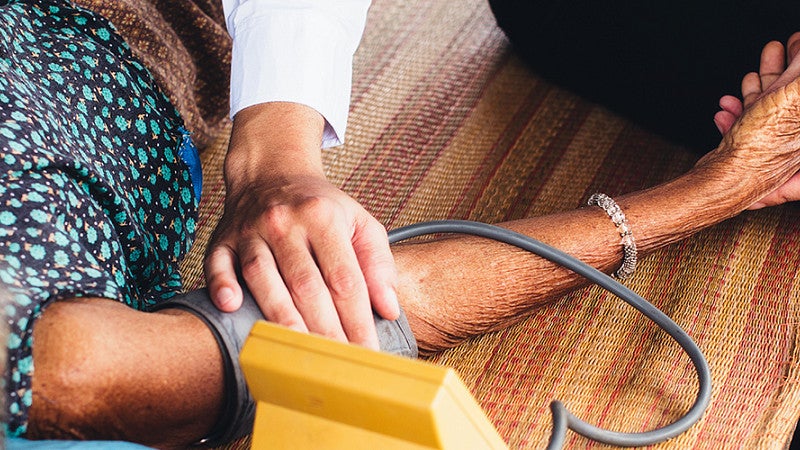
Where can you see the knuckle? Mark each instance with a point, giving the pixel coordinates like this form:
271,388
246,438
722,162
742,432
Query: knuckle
306,285
280,221
376,227
217,251
321,209
314,204
277,220
331,332
344,283
213,278
284,314
375,235
254,267
360,333
380,260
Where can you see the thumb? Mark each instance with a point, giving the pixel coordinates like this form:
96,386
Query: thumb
220,273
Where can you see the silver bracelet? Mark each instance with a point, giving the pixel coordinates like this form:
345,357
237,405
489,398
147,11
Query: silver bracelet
628,244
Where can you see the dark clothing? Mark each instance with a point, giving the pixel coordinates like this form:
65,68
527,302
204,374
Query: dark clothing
663,65
98,196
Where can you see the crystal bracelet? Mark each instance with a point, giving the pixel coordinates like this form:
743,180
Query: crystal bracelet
628,244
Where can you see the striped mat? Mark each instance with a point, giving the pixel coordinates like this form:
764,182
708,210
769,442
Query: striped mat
447,123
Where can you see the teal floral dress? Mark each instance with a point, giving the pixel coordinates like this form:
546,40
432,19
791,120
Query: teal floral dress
99,180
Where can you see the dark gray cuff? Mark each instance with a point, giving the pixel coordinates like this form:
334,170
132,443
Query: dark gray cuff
231,329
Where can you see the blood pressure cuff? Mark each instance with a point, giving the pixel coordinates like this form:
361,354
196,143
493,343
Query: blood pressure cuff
231,330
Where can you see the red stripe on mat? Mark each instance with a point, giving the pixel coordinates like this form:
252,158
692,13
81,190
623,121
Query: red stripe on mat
548,162
422,130
380,58
495,158
759,349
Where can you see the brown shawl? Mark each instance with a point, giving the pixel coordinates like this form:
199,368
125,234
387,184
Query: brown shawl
185,45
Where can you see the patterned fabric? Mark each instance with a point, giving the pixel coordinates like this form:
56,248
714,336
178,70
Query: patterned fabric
96,200
186,47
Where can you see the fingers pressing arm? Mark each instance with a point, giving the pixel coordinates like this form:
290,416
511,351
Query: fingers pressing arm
313,258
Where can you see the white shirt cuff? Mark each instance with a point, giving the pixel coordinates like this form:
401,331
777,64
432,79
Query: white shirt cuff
296,53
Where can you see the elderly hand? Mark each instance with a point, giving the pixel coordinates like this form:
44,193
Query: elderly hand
312,257
762,131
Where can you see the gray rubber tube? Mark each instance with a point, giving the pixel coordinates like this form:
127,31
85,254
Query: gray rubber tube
562,418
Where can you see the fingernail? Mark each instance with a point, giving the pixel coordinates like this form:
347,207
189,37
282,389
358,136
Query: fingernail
224,297
395,302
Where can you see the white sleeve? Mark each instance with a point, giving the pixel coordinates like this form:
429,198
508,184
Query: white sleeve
297,51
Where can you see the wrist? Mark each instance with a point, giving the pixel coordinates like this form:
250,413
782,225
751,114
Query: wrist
741,174
706,195
274,141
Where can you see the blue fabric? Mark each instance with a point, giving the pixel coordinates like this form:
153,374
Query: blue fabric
24,444
191,157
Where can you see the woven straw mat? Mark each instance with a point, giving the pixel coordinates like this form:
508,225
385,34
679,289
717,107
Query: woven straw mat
447,123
